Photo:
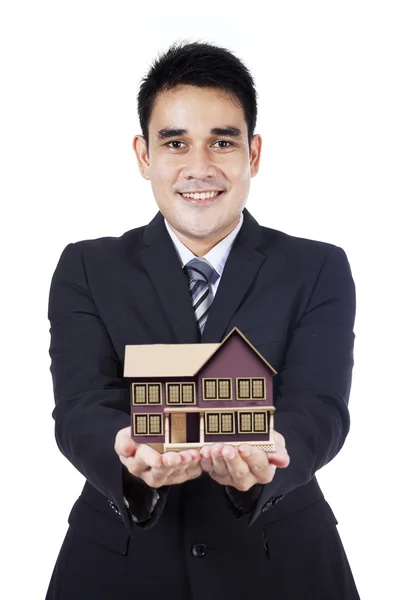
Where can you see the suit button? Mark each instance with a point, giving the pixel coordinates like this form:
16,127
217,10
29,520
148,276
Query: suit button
199,550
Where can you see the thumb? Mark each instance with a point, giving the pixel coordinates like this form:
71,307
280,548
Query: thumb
279,459
125,446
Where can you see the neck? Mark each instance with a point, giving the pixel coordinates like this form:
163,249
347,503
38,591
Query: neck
200,246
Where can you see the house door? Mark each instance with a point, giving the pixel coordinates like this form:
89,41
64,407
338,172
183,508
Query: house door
178,428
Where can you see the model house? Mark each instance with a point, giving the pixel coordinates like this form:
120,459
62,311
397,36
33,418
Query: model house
189,395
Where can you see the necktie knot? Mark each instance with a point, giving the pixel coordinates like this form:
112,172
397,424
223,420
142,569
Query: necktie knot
199,269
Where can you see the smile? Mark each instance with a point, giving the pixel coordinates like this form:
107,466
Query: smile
201,195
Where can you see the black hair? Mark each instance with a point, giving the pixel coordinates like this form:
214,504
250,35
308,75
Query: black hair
201,64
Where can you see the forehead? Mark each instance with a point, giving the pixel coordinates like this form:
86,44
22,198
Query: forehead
196,110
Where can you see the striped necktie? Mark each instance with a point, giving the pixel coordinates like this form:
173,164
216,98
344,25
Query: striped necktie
199,272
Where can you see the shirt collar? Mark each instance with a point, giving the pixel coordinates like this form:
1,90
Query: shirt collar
217,256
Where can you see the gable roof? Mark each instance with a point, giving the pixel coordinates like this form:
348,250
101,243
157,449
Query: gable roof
175,360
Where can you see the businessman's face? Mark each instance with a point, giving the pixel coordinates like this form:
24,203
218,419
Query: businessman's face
198,143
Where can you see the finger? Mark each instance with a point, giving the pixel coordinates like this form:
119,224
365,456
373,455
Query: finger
187,475
206,460
187,468
237,468
186,459
191,457
171,459
163,468
280,458
138,466
190,460
258,462
124,444
255,457
280,440
219,463
195,454
147,458
194,469
194,473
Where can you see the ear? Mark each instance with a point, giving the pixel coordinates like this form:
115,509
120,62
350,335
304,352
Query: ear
140,148
255,154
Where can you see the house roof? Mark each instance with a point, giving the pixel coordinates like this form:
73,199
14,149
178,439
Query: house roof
174,360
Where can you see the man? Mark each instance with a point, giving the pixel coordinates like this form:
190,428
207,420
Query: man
230,523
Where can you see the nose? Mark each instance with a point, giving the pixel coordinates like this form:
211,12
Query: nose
198,165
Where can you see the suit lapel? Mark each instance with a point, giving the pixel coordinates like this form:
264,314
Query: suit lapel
167,276
240,269
165,271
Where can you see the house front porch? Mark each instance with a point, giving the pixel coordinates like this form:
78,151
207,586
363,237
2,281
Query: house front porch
193,428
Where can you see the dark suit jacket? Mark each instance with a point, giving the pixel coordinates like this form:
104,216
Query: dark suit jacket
294,299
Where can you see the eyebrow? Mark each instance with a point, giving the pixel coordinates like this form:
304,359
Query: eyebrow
229,131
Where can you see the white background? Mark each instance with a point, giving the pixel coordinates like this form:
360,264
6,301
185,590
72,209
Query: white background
327,75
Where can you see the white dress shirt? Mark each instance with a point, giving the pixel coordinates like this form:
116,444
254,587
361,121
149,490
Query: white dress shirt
217,256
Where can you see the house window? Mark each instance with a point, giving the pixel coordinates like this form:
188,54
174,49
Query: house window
139,393
147,424
155,425
154,393
250,388
245,423
252,422
187,393
259,422
210,389
220,423
224,389
140,424
258,388
146,393
227,423
181,393
217,389
173,393
212,423
244,389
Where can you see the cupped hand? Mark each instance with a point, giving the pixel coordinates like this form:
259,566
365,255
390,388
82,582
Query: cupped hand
244,466
154,468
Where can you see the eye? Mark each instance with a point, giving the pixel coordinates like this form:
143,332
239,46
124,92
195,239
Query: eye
174,142
223,142
217,142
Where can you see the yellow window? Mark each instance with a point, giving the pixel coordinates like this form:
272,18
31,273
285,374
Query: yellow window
139,393
244,389
224,391
211,389
155,424
227,423
141,424
245,422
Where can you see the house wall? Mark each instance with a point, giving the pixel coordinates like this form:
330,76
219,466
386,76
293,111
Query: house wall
156,408
153,408
234,359
239,437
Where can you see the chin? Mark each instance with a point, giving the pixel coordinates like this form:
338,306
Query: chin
198,228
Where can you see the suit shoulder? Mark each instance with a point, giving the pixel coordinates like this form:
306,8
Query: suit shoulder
109,242
292,244
299,252
106,246
96,254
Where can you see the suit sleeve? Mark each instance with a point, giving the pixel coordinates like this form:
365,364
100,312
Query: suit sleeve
312,402
92,401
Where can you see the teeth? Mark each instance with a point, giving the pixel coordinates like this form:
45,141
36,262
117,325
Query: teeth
201,196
